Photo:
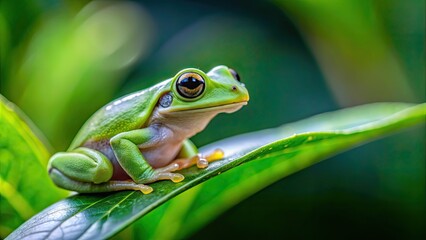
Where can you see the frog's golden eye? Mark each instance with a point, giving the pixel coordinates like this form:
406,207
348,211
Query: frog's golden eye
190,85
235,74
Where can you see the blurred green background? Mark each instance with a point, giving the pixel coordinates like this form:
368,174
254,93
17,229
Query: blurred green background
62,60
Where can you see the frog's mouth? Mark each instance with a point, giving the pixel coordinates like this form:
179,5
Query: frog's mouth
225,108
228,108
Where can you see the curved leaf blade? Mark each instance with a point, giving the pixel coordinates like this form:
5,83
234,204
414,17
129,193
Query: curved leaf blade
209,199
25,187
277,152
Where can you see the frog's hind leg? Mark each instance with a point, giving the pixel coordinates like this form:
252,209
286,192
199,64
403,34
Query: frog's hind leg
83,164
63,181
86,170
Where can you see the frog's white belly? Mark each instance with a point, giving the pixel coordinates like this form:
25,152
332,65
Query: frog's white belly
162,154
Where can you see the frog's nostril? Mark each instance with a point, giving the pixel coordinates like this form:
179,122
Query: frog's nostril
234,88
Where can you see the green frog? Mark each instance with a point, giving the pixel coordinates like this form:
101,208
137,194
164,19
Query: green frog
143,137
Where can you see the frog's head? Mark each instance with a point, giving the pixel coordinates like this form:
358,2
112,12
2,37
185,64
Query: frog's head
193,90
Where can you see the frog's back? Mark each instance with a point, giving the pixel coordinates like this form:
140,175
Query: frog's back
123,114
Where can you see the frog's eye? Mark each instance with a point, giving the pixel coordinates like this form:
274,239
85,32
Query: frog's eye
190,85
235,74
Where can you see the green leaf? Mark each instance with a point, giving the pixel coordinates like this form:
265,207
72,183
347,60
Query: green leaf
25,187
266,157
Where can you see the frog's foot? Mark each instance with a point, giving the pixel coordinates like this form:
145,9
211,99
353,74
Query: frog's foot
129,185
166,173
199,160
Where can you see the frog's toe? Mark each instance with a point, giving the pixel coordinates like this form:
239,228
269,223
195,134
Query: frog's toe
217,154
202,163
186,162
166,173
117,185
128,185
169,168
175,177
145,189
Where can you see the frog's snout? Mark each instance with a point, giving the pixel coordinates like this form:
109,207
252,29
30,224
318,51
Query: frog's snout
242,93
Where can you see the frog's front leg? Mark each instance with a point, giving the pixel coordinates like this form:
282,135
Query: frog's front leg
126,148
189,156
